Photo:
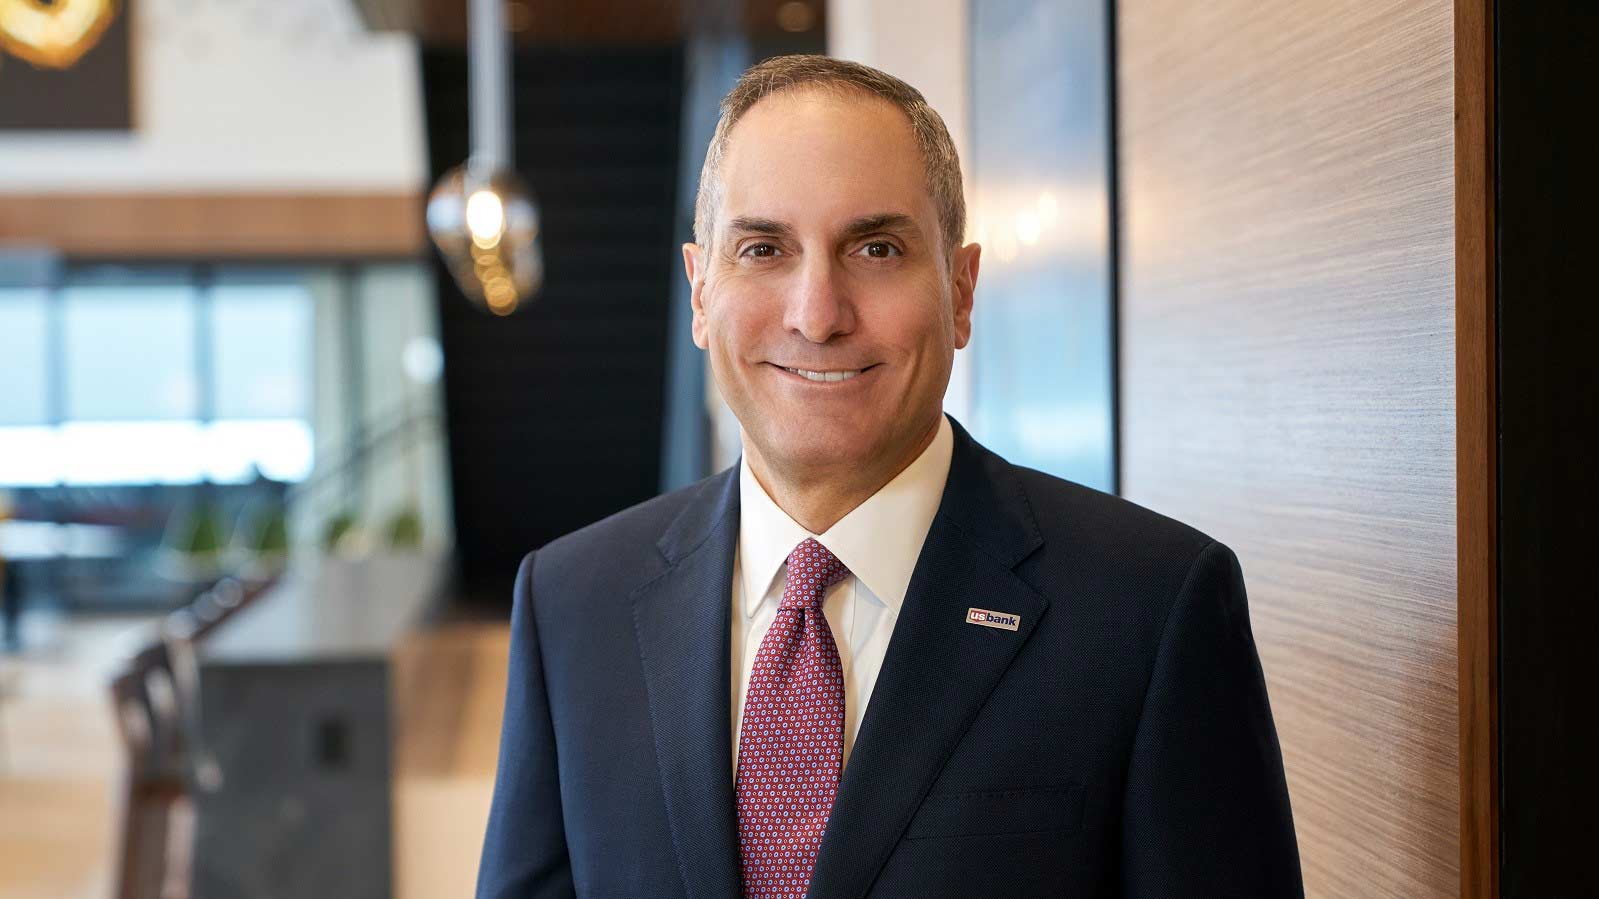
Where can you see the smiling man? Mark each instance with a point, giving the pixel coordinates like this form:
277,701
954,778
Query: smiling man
873,658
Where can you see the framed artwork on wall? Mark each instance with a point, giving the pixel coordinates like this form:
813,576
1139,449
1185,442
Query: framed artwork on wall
66,65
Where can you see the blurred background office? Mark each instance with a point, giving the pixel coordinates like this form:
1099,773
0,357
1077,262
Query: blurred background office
277,423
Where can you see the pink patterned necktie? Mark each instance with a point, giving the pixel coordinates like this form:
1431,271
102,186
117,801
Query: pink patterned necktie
791,742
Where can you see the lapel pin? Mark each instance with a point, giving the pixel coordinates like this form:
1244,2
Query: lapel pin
986,618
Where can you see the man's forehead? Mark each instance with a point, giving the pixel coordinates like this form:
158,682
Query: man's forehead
798,125
805,159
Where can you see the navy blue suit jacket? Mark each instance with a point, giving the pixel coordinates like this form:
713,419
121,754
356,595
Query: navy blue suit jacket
1118,743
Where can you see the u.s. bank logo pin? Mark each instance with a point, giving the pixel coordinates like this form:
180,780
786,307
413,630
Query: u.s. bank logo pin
1002,620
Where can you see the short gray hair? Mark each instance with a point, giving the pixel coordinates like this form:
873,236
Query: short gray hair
782,73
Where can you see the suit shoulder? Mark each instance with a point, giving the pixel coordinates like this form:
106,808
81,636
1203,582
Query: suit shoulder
1113,528
1059,503
1120,565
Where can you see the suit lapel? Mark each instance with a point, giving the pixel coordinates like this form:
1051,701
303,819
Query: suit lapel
938,670
681,620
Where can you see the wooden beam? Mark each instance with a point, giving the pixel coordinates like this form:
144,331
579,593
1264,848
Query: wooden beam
1475,441
233,225
442,23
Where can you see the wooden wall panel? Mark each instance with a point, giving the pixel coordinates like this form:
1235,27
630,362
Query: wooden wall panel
1287,365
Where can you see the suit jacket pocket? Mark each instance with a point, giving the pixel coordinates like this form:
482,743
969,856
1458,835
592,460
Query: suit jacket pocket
995,812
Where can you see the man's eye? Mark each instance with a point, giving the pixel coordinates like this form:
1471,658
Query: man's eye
881,249
760,250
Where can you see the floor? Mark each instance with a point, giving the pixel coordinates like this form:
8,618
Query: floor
60,757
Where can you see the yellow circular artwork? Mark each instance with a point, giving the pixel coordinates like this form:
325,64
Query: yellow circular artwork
53,34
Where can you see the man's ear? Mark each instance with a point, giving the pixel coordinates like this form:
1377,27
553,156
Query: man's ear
963,289
694,262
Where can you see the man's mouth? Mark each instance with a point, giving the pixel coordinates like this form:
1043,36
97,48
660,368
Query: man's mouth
840,375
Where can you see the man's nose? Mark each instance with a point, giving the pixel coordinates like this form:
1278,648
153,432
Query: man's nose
819,306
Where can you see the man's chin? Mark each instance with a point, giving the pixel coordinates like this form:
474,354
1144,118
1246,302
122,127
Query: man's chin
818,448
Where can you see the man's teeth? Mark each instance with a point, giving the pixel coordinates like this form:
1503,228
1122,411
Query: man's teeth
823,375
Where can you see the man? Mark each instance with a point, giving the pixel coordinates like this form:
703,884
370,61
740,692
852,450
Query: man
873,659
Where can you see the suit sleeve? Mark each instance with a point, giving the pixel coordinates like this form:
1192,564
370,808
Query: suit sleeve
524,851
1206,811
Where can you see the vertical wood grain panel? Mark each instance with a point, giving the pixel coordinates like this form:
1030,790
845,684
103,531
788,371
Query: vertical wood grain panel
1288,386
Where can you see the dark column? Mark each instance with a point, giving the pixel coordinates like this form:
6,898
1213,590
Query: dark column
1548,476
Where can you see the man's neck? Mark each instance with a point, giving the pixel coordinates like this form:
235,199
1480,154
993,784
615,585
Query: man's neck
818,499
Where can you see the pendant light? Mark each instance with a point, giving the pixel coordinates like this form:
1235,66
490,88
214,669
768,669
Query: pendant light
480,214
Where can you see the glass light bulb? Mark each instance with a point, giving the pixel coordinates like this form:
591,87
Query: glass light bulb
487,230
485,218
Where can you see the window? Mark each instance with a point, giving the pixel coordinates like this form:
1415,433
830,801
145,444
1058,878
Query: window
156,375
24,332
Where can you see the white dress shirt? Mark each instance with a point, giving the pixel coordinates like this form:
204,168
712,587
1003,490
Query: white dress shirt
878,541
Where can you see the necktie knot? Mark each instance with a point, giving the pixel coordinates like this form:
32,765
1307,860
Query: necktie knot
812,568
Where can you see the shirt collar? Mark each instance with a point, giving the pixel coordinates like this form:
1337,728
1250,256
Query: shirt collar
878,541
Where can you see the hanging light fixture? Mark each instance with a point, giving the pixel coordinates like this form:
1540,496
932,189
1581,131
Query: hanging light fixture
480,214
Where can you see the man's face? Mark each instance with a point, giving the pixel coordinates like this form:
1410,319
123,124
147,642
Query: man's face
826,263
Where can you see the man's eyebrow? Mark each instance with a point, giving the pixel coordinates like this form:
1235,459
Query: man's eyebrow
750,225
883,221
